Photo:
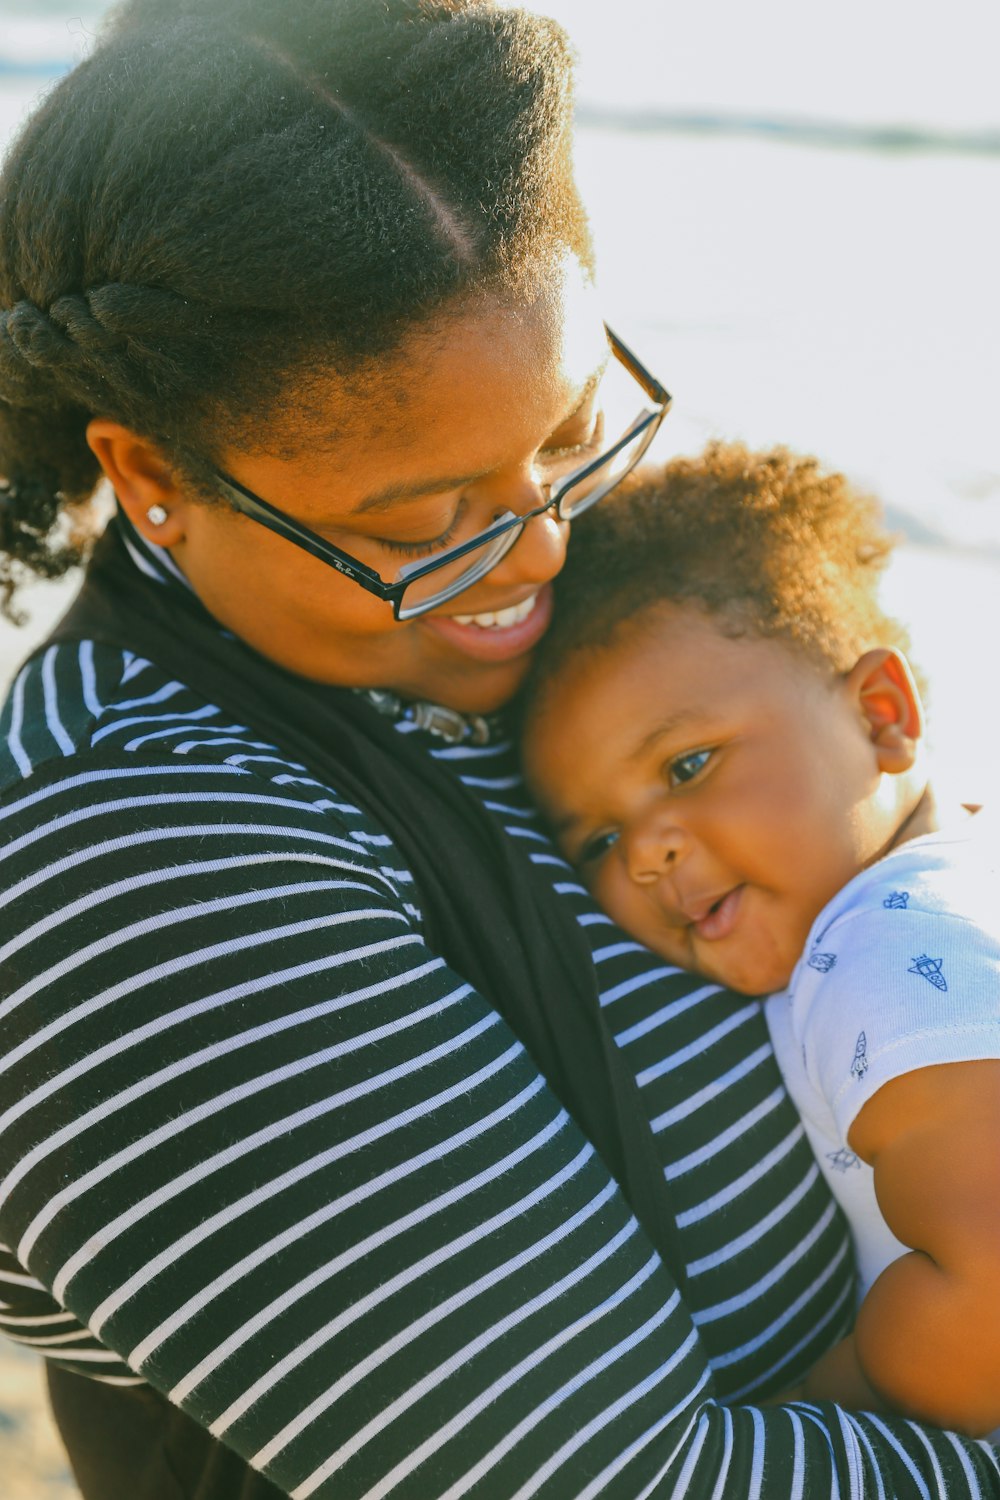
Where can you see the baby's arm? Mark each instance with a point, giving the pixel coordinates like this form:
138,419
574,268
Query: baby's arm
927,1339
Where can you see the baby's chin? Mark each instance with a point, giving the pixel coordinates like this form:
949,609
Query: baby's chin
743,977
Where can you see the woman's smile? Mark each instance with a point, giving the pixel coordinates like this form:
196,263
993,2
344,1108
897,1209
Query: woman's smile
487,396
500,635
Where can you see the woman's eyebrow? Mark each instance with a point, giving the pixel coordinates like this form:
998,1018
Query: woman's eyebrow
391,494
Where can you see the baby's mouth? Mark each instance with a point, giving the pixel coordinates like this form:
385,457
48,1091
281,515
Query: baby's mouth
721,917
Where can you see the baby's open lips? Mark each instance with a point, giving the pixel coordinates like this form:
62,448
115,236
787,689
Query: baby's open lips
710,916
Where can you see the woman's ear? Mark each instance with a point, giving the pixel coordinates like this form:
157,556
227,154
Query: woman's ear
889,700
142,479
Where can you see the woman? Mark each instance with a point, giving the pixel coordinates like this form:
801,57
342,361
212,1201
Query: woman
321,1175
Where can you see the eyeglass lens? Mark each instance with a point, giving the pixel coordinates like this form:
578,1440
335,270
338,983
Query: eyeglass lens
446,582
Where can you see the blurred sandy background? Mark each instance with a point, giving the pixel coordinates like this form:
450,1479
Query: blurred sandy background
797,210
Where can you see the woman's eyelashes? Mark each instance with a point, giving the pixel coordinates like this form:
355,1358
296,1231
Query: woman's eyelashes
563,458
431,544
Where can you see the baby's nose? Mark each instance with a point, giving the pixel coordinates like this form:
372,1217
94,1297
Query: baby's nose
655,847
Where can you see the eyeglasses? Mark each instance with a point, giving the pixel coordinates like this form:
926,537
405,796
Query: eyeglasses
423,585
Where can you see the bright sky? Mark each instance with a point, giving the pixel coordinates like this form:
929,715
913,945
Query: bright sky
875,60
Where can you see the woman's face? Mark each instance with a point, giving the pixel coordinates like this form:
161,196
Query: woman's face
444,440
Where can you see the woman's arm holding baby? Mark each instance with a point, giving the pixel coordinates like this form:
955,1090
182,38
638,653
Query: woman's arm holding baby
927,1339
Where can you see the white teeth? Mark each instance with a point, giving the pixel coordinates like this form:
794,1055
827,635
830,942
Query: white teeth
501,619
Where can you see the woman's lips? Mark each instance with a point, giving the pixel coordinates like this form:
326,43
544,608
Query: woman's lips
720,921
495,642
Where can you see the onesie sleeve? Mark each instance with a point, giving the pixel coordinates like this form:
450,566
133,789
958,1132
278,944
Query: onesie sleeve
890,989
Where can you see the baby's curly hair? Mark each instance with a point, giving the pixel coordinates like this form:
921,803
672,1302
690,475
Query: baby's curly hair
769,542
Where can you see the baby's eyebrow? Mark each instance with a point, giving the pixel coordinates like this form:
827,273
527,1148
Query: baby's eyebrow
679,719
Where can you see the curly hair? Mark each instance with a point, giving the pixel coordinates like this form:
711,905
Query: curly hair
223,201
769,543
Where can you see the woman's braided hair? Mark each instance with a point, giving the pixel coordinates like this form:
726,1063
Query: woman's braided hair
211,207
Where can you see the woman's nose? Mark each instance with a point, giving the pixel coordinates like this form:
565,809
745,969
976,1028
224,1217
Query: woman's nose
538,553
654,847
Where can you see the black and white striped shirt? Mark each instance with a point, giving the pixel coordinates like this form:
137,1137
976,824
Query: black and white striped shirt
261,1148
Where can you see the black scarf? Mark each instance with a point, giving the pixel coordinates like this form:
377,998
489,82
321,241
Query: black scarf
489,913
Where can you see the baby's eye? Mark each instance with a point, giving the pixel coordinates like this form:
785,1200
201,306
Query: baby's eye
596,847
686,767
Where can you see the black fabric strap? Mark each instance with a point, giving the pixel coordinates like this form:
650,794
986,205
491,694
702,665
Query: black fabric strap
487,910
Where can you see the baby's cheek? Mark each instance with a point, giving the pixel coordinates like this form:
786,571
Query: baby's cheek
631,906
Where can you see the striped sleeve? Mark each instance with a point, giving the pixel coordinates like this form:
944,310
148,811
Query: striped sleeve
263,1148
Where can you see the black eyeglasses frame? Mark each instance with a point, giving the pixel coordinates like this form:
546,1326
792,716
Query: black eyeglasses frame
261,511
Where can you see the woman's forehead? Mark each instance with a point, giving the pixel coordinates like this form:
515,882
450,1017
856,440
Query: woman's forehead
472,391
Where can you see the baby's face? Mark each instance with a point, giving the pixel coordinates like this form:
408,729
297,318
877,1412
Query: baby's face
714,792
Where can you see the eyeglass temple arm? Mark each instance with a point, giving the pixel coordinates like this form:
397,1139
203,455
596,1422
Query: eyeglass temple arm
637,370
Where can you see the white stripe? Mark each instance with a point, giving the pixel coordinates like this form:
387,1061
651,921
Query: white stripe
51,1340
235,902
175,1126
639,982
134,666
755,1487
185,716
746,1180
381,1236
50,699
12,808
727,1452
164,799
487,1397
911,1468
90,1356
184,747
813,1416
834,1315
504,810
855,1465
615,950
750,1294
700,1045
199,831
862,1439
487,1337
700,1425
145,879
162,694
21,1320
763,1226
159,972
377,1357
597,1424
492,783
223,1219
255,985
959,1446
798,1452
732,1133
14,740
88,679
713,1090
666,1013
15,1278
139,560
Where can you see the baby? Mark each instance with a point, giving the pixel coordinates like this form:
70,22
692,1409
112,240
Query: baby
725,733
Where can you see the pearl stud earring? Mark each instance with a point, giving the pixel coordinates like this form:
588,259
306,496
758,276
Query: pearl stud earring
156,515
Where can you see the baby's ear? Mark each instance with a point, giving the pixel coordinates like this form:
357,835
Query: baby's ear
883,687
